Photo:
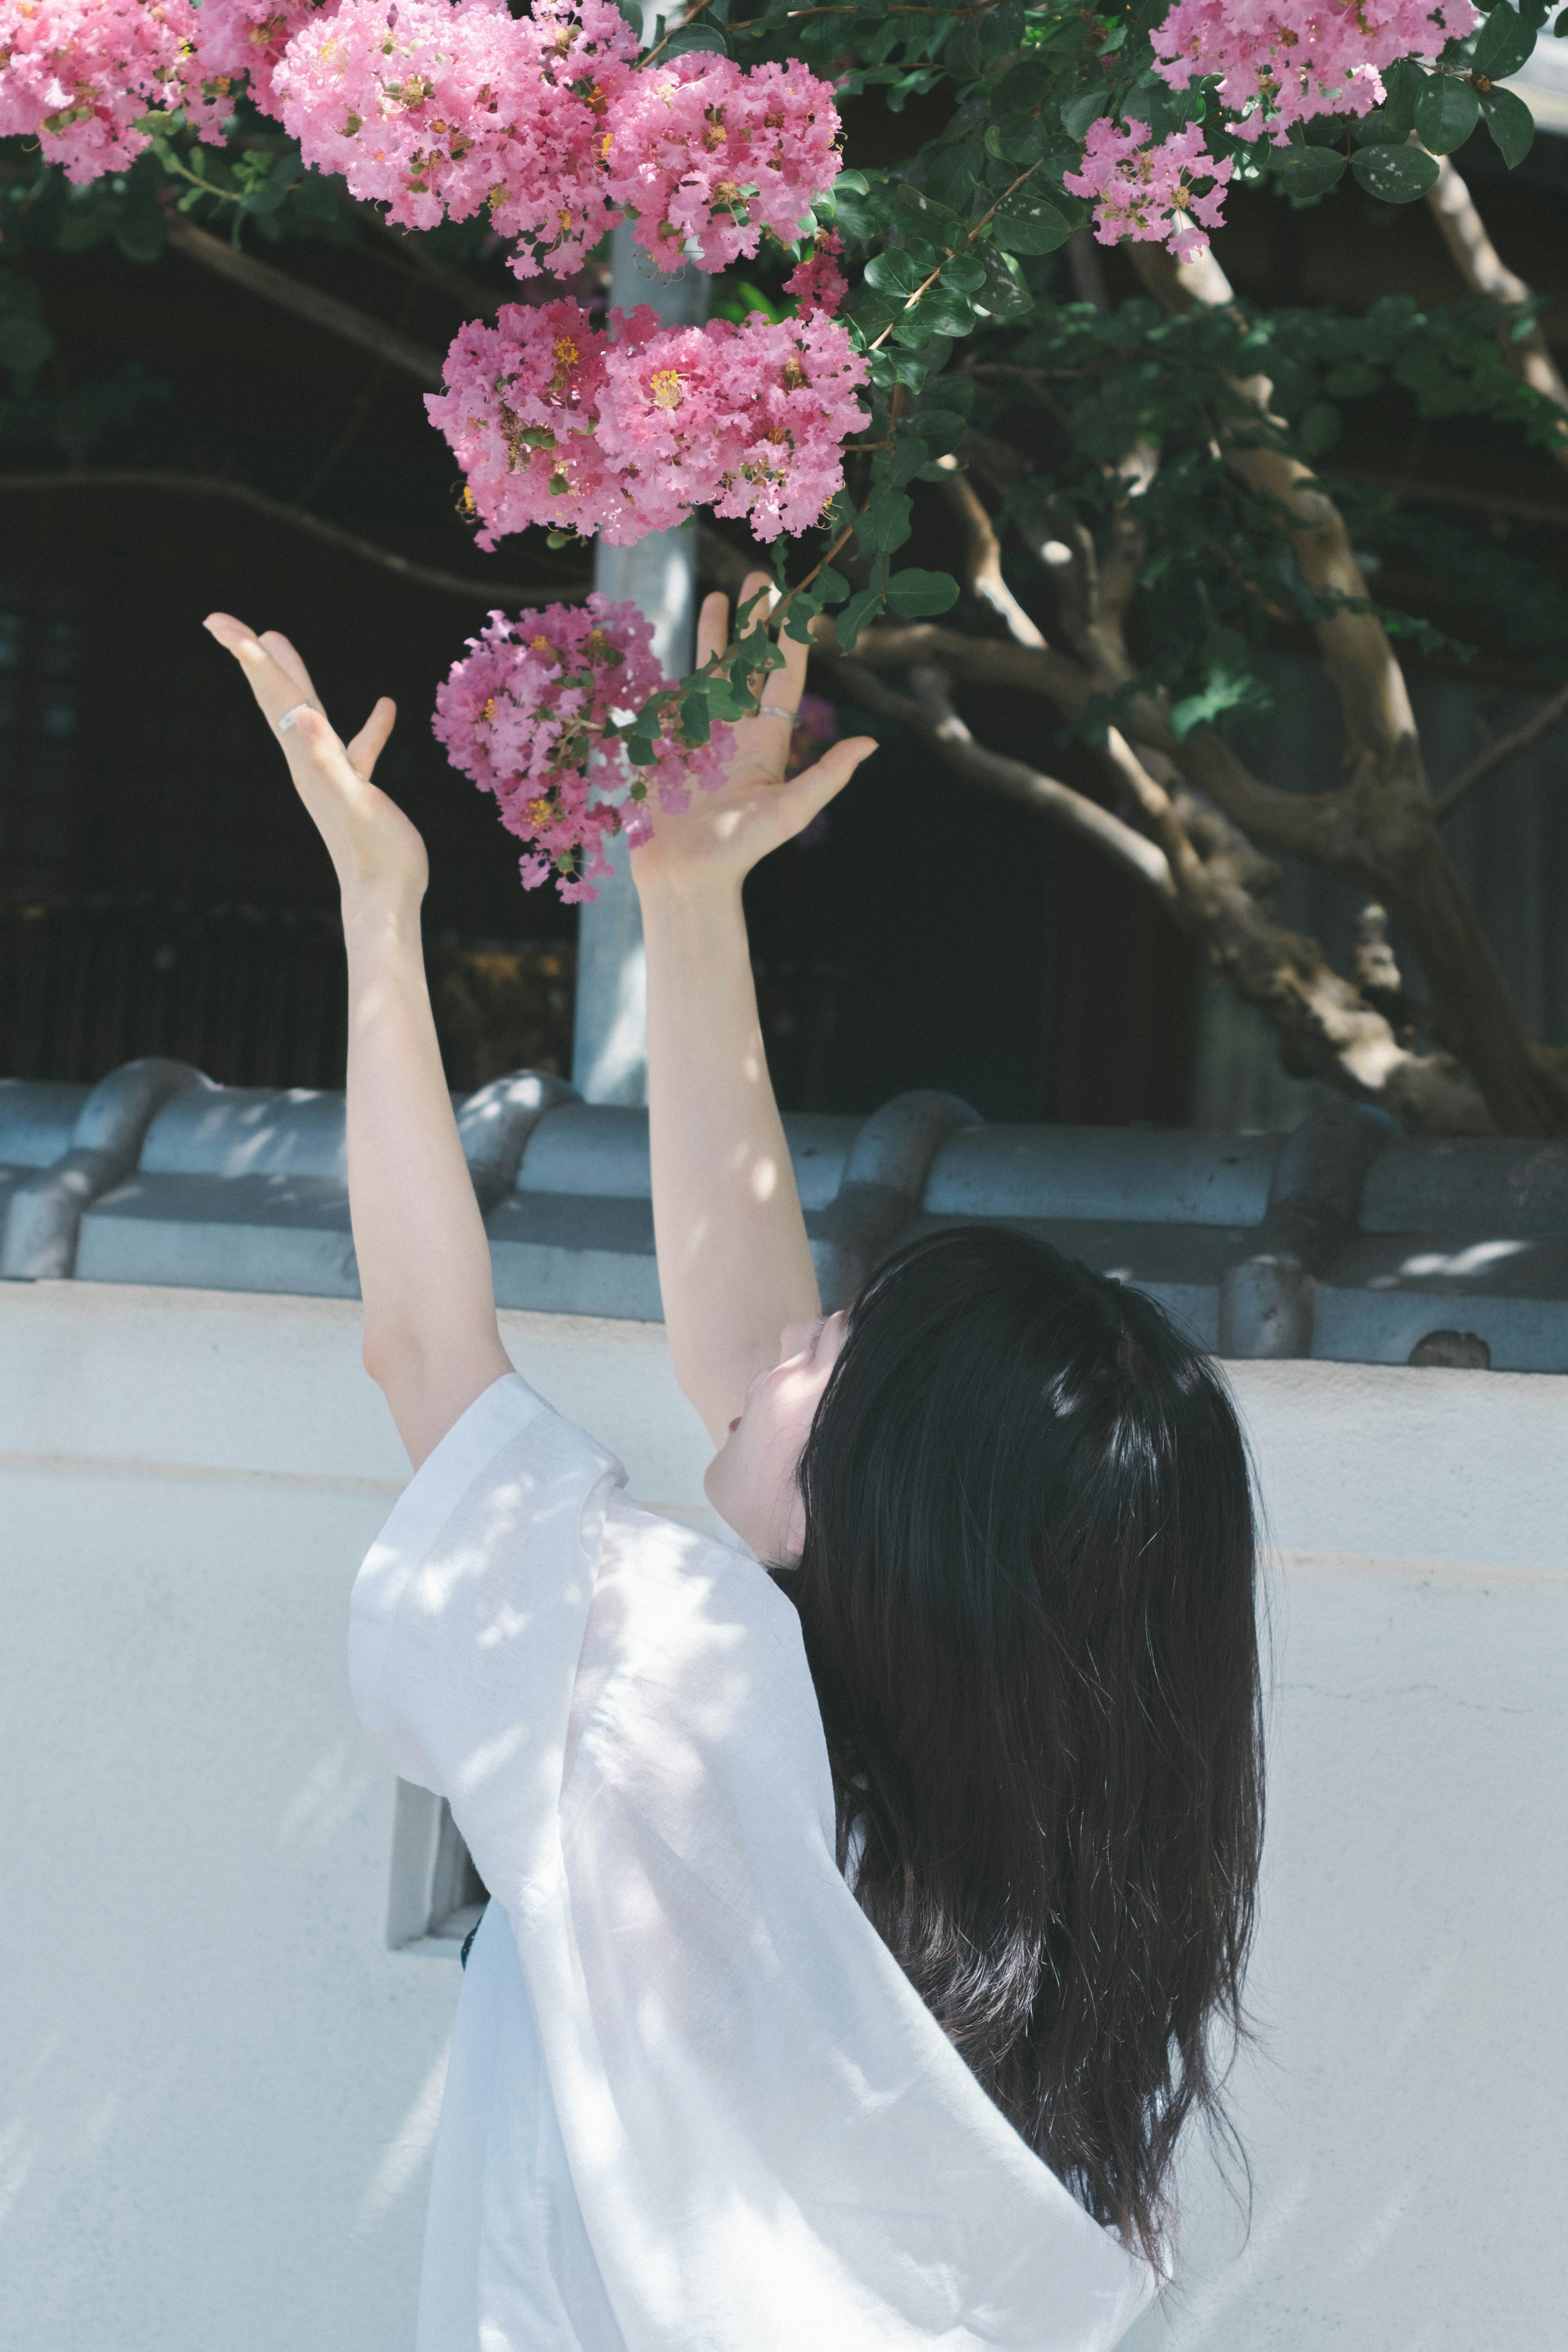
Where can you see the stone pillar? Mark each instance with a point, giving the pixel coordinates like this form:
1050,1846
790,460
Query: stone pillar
658,575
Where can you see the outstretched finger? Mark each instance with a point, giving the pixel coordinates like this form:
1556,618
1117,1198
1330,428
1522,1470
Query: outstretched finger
275,689
371,741
290,663
712,628
811,790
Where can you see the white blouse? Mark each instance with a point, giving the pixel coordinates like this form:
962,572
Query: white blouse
693,2104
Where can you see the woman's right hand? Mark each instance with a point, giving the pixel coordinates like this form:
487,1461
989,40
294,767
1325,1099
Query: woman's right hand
376,852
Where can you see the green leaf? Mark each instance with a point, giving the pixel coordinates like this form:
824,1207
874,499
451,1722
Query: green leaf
1078,112
140,232
1511,124
1320,427
1351,379
1446,115
954,168
84,225
1503,43
909,454
1026,223
895,271
1307,172
1223,692
946,310
1384,126
1023,88
885,521
1005,293
915,595
1394,175
851,183
918,211
703,35
872,311
965,274
941,429
1023,140
831,586
1003,31
854,616
25,342
963,53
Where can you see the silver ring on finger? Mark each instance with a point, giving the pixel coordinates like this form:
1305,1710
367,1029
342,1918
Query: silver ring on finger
287,721
774,710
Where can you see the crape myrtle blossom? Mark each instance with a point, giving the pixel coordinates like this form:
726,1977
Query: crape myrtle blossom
438,108
78,75
1283,62
520,410
524,714
709,154
817,283
624,434
1144,189
243,40
748,419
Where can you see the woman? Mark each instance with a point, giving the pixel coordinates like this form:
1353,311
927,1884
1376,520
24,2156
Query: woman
860,1918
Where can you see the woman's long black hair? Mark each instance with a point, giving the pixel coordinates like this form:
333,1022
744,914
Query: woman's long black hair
1027,1594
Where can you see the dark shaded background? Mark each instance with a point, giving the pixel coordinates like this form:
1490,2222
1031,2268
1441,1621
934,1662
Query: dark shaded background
161,889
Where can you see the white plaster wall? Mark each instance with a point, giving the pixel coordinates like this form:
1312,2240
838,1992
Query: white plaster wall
218,2089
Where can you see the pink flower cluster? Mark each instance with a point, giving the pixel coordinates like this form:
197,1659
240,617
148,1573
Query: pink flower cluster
77,75
524,717
817,283
707,153
625,433
436,109
1144,189
245,39
1283,62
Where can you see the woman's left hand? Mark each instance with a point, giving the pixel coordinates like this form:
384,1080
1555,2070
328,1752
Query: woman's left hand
725,832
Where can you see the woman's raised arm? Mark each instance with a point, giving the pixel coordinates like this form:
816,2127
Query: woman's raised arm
734,1265
430,1337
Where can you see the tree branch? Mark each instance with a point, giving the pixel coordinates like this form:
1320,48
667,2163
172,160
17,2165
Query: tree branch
1544,720
1484,271
317,310
329,534
929,714
1327,1027
1360,661
1380,829
411,250
983,569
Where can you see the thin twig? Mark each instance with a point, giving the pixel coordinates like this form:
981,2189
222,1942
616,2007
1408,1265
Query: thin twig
691,18
317,310
416,576
409,247
1503,748
984,222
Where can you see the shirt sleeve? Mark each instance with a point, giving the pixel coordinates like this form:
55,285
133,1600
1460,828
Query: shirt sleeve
468,1621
